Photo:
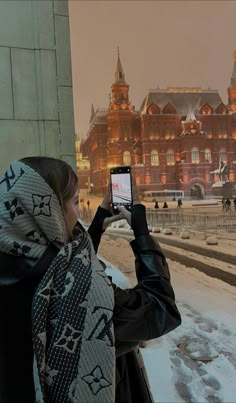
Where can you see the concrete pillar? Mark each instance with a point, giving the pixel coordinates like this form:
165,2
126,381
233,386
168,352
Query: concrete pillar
36,102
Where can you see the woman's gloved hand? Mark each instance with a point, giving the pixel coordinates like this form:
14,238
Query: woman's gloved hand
136,218
108,215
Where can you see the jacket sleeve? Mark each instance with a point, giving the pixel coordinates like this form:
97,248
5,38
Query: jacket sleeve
95,230
148,310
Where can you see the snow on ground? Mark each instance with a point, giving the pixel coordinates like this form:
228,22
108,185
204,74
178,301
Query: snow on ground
197,361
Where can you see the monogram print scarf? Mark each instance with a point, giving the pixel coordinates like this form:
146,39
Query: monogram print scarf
72,330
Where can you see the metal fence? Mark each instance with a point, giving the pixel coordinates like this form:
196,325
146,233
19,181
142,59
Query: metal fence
210,222
213,221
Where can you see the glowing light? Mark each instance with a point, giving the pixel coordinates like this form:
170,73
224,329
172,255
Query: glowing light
147,179
231,176
112,165
163,178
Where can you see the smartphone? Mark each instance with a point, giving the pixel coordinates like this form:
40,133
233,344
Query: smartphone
121,188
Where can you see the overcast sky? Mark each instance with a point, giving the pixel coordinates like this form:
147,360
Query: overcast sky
162,43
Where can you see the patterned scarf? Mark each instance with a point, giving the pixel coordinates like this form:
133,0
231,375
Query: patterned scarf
74,354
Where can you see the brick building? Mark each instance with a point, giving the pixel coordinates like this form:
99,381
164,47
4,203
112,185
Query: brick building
175,140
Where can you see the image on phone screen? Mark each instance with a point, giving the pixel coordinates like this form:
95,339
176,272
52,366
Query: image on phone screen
121,188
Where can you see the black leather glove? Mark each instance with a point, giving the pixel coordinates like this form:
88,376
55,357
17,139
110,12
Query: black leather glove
138,220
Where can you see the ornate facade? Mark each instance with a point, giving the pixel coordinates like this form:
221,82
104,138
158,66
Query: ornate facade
175,141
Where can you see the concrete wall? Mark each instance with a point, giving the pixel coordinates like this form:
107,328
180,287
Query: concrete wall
36,103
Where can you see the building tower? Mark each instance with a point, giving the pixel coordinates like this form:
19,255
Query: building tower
120,121
232,88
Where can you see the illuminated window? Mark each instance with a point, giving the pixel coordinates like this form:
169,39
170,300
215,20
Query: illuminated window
195,155
170,156
206,110
153,132
222,155
124,133
154,158
168,133
126,158
208,155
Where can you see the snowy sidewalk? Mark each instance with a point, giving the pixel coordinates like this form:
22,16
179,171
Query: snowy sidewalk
196,363
217,261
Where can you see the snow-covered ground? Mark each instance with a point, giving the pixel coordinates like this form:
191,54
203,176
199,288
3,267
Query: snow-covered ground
195,363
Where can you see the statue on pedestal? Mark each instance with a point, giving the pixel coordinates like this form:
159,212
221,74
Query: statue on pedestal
222,171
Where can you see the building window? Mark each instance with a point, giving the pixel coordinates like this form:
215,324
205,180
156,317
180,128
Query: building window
154,158
126,158
153,132
195,155
155,177
222,155
207,155
124,133
170,157
167,133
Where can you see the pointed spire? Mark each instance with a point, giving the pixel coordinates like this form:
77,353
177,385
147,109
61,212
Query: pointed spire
233,77
92,113
119,74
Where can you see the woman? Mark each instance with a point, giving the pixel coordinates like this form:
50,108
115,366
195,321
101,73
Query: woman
58,310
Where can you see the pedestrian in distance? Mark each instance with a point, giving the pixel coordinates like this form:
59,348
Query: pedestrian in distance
68,333
235,203
165,205
179,203
227,205
88,204
156,206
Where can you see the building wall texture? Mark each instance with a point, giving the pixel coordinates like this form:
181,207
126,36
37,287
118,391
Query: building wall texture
36,102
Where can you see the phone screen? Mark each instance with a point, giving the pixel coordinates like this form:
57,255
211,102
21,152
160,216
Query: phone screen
121,189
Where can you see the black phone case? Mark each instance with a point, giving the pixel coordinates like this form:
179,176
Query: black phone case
121,170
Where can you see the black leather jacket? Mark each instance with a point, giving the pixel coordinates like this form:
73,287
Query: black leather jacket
142,313
148,310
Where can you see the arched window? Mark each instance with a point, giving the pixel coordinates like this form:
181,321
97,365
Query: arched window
153,109
126,158
169,109
154,158
208,155
222,155
221,109
170,156
195,155
206,109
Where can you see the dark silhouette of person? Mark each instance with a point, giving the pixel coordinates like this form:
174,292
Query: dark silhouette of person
227,204
156,204
235,203
88,204
180,203
165,205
